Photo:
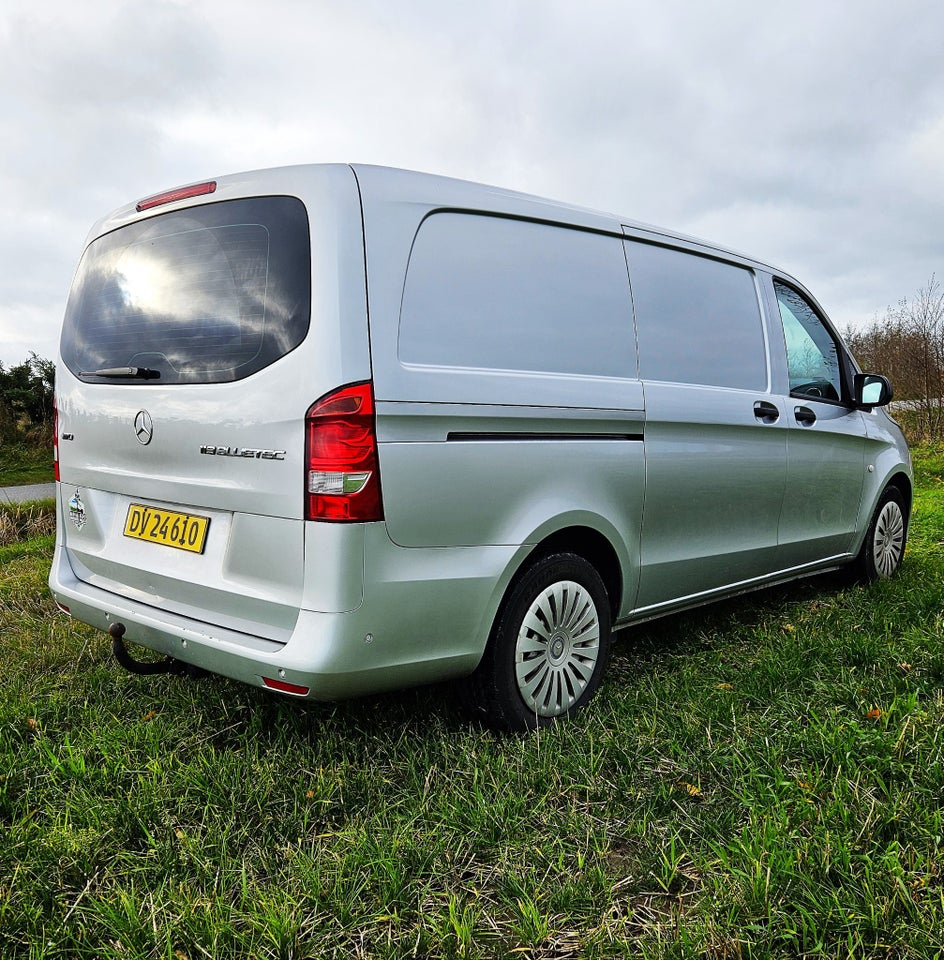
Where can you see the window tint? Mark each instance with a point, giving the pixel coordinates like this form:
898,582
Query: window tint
208,294
503,294
812,356
697,319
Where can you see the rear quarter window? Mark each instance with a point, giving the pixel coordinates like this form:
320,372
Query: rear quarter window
502,294
209,294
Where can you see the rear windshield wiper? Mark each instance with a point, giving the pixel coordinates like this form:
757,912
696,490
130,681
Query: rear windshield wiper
136,373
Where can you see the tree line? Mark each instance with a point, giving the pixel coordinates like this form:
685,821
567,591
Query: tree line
907,345
26,398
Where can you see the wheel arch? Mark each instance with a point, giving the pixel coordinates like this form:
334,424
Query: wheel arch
897,478
585,541
592,546
877,556
902,483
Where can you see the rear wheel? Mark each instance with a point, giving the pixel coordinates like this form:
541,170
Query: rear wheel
884,546
548,648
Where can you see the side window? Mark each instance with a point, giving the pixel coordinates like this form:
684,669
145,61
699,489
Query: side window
698,320
501,294
812,355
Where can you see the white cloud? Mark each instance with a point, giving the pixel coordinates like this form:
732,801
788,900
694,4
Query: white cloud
26,329
807,134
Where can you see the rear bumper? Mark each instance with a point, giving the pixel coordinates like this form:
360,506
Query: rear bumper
425,617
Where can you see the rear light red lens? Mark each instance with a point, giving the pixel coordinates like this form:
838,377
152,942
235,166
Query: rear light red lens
55,436
342,472
284,687
181,193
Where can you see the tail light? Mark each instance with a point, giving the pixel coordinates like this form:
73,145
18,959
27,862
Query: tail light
55,436
342,472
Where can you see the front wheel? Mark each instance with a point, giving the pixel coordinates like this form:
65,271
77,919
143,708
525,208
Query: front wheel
548,648
884,546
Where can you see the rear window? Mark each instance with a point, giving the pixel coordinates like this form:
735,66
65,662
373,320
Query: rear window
209,294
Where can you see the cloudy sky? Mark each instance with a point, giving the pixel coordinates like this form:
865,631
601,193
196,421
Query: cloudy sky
808,134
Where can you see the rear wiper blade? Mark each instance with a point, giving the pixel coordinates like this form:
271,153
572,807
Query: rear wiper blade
138,373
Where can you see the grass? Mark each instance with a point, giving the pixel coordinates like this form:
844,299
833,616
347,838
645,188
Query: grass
21,522
23,462
763,778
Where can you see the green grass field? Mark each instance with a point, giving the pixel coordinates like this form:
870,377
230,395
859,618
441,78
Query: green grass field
23,463
763,778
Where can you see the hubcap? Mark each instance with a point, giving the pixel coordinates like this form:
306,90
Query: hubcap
889,541
557,649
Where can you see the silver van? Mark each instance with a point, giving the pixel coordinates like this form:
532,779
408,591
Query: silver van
335,429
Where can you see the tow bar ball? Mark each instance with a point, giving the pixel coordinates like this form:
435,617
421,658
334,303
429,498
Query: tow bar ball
168,665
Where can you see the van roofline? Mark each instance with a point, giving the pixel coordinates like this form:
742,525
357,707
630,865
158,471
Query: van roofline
395,183
592,217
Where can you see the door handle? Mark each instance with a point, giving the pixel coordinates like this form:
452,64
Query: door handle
766,412
805,416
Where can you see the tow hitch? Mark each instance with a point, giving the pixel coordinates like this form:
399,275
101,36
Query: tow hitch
168,665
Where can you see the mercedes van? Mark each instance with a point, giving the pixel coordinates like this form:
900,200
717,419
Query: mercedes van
334,429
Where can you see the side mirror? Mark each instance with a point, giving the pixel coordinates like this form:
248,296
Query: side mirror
871,390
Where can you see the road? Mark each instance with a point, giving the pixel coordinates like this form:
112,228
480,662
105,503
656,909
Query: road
34,491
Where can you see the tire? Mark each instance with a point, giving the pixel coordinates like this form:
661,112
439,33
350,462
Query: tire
548,647
884,546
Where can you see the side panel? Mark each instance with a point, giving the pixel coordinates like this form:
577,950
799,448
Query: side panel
461,474
505,374
886,456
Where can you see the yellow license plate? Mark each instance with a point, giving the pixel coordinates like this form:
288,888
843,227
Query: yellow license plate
167,527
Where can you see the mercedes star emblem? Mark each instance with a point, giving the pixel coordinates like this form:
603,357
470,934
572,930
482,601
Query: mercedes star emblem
143,428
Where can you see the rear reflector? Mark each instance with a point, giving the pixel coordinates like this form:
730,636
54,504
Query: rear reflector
63,608
181,193
342,471
284,687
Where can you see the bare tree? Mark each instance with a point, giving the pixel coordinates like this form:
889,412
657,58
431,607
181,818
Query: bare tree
907,345
923,322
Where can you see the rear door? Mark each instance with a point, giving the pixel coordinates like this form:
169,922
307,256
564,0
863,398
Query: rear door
181,414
